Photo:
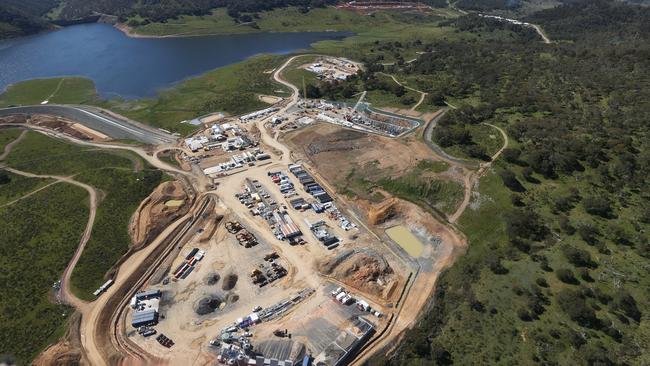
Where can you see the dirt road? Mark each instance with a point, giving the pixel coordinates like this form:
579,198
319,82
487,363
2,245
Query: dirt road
92,334
30,194
541,33
422,288
66,295
10,145
473,177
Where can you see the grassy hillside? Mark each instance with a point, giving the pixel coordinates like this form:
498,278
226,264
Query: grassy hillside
556,271
39,237
122,189
67,90
161,11
279,20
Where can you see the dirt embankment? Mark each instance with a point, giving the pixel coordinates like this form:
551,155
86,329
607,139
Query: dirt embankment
379,213
67,351
165,204
365,270
58,124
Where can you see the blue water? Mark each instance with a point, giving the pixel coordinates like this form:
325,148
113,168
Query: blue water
135,67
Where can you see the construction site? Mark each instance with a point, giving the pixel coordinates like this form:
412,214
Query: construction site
293,271
256,255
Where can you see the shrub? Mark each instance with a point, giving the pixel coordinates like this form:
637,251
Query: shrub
511,155
494,263
407,100
566,275
510,180
540,281
517,200
524,315
527,173
521,244
565,224
441,355
525,224
603,297
624,302
578,257
4,178
584,274
598,206
588,233
477,152
575,306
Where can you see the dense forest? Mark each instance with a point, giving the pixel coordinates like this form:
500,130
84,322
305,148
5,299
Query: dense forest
558,274
162,10
22,18
486,5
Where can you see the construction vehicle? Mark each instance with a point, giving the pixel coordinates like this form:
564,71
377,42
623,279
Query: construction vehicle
271,256
281,333
246,239
233,227
257,276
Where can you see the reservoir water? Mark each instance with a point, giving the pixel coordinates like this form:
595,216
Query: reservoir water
136,67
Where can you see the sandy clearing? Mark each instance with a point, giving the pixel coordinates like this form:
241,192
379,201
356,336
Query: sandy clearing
270,99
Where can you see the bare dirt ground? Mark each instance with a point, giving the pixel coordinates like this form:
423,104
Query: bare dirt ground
67,351
61,125
215,117
270,99
157,211
337,152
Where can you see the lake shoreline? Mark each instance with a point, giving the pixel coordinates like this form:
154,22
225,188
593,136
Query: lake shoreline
128,31
135,66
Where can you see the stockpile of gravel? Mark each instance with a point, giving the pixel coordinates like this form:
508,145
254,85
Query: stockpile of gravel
208,304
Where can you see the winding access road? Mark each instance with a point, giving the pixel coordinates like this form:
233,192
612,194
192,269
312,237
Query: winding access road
66,294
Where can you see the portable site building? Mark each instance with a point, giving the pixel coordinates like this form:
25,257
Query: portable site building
330,240
323,197
192,253
144,318
146,295
297,203
340,296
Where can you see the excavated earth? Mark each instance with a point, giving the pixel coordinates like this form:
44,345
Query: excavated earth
364,270
157,211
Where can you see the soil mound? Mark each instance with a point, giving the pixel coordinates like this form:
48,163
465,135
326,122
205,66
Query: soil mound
229,282
366,271
155,213
380,213
208,304
212,279
232,298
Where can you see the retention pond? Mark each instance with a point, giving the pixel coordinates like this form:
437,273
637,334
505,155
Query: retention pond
405,238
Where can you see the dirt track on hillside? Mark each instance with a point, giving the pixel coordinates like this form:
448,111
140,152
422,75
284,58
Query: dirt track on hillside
66,296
